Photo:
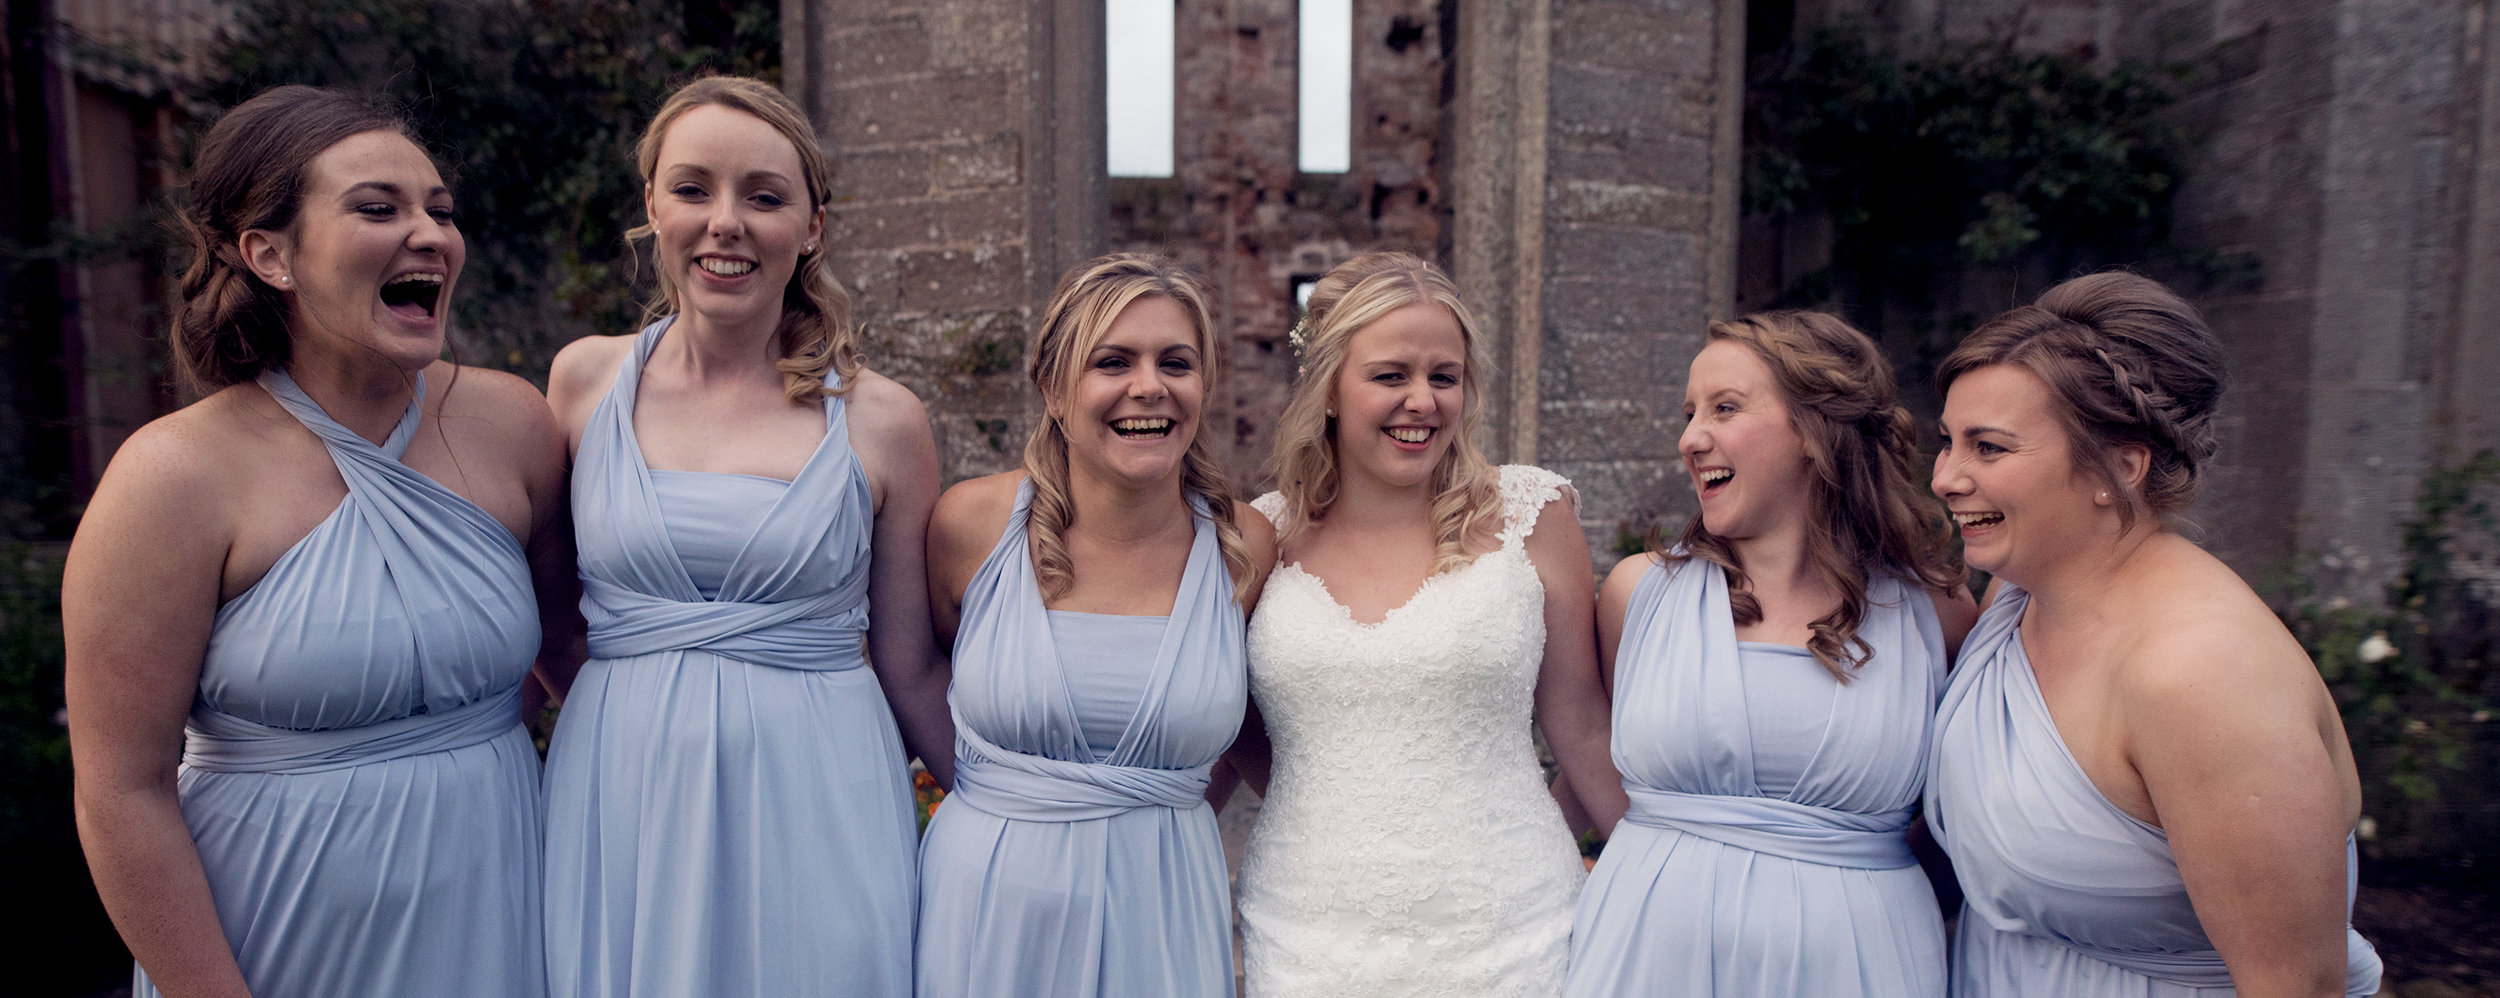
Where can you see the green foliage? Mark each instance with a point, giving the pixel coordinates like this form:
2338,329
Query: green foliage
532,107
1966,156
2413,674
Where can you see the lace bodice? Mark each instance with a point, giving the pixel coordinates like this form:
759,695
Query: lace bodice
1407,844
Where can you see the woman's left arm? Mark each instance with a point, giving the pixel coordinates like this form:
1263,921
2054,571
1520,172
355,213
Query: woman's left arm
2229,729
891,432
1571,703
562,644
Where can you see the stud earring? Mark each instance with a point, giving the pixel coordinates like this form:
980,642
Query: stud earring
1332,413
2104,497
284,280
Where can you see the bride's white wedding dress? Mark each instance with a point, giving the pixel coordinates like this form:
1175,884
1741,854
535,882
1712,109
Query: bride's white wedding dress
1407,845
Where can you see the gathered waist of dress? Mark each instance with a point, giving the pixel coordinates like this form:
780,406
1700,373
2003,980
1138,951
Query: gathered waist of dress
218,742
1026,787
825,632
2196,967
1803,832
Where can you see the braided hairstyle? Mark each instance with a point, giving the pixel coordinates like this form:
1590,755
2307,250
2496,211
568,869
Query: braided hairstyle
816,340
1088,300
1866,497
2132,363
249,174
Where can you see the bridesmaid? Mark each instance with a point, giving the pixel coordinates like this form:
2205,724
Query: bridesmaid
1775,673
1095,600
327,563
730,807
2142,781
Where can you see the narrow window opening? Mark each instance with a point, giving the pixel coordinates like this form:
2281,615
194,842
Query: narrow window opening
1326,71
1137,86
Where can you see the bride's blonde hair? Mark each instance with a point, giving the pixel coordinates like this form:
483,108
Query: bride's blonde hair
1354,295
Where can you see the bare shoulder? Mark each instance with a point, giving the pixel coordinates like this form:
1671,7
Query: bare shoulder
582,372
880,408
2207,642
976,506
1258,535
192,453
486,393
1626,576
1556,542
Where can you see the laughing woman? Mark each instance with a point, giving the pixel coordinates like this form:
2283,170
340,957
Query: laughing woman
730,809
1775,672
1096,601
299,612
2143,784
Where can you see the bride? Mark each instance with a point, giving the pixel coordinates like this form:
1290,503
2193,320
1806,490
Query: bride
1426,605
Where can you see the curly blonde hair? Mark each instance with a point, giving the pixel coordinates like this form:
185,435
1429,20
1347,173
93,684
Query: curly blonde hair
1354,295
1865,495
1088,300
816,337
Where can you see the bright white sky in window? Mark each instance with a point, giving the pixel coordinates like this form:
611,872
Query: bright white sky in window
1326,68
1137,53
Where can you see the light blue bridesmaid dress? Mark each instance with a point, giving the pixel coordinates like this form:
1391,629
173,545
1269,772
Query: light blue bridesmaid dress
729,809
354,771
1076,857
2064,894
1764,853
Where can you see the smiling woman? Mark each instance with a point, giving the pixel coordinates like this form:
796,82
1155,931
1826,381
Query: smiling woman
300,612
2142,781
1094,601
729,805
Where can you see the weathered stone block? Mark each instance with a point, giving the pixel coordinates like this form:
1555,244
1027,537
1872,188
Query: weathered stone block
959,280
879,51
996,161
880,174
944,107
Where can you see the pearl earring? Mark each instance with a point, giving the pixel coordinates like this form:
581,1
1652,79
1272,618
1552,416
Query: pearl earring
284,280
1332,413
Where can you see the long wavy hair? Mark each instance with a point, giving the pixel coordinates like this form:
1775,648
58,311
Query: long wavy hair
1864,496
1308,473
816,338
249,174
1081,312
2131,363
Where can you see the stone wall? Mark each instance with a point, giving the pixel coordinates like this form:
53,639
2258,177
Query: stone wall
1595,187
1240,211
2342,145
967,137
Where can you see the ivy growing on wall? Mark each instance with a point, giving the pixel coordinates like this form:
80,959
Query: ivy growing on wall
1961,160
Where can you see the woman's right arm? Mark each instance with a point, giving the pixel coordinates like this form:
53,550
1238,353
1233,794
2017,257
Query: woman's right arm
138,599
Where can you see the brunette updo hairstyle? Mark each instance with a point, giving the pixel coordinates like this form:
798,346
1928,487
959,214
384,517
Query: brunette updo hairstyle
816,337
1088,300
249,174
1465,487
2130,363
1866,506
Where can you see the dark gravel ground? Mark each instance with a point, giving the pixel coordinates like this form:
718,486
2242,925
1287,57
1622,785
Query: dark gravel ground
2437,929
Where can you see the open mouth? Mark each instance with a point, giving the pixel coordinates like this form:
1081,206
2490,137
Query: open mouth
1712,478
725,267
1410,434
1977,521
1142,429
414,296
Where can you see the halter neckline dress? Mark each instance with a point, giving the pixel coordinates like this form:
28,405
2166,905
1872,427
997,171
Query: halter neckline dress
354,770
1764,852
729,805
1077,857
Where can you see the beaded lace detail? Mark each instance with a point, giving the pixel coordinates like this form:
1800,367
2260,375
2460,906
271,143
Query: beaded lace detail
1408,845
